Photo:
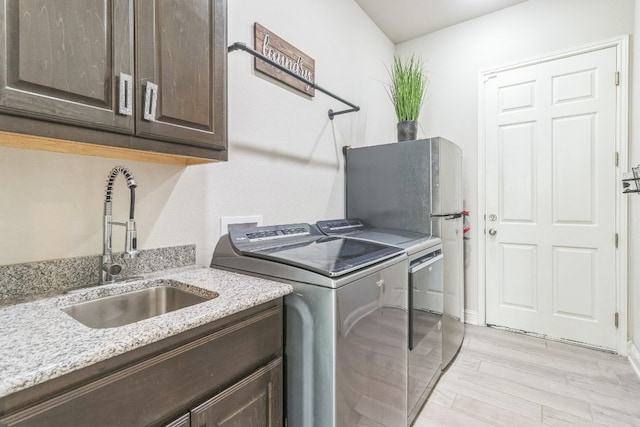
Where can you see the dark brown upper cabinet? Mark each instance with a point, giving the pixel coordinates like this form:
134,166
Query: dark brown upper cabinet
62,60
152,71
180,50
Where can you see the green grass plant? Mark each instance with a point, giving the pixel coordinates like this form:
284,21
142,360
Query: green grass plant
408,86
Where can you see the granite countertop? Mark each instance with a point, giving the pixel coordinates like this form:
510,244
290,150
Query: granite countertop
39,342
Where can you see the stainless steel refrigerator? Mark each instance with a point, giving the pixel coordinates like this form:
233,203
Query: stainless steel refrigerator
416,186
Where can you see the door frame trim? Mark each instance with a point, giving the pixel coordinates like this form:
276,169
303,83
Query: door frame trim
621,45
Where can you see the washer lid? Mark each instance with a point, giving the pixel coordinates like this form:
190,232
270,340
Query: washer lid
302,245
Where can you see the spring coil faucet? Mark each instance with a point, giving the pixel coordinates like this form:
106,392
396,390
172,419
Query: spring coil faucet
108,269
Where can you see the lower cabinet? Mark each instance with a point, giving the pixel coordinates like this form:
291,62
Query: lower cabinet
231,376
255,401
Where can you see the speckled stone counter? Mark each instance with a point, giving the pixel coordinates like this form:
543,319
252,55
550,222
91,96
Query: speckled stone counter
39,342
34,280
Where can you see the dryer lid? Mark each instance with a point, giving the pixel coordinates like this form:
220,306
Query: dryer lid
359,229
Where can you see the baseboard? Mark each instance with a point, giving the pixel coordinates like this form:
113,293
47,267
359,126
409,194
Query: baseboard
471,317
634,357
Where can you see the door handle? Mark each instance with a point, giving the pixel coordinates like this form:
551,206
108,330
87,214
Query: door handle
492,232
125,98
150,101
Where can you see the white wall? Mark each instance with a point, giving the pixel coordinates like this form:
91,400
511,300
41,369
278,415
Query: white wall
455,55
285,159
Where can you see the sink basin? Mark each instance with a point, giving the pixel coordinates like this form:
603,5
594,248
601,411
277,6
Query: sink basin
133,306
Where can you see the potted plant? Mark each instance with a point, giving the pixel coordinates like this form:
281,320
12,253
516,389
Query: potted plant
406,90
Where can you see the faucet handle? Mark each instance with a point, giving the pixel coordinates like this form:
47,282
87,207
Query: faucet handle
131,240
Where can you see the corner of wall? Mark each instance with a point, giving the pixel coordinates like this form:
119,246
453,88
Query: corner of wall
634,357
471,317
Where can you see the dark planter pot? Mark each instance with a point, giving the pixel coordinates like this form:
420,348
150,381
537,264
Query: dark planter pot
408,131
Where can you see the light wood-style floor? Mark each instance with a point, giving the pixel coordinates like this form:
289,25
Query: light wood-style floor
505,379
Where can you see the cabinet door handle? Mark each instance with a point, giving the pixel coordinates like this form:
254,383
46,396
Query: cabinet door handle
125,98
150,101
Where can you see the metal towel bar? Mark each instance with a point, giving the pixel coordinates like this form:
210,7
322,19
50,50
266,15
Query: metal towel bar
241,46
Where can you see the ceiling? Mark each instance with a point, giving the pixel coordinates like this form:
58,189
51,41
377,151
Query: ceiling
403,20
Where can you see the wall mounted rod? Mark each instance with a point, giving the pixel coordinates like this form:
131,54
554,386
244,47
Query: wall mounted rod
241,46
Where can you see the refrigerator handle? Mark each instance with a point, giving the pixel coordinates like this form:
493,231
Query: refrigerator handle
447,216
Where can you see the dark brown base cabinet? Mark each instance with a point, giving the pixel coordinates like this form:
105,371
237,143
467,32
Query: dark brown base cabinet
230,376
253,402
150,75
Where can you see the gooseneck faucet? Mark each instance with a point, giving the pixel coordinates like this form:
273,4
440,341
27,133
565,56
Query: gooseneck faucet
109,270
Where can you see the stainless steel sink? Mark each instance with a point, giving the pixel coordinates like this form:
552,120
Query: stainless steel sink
133,306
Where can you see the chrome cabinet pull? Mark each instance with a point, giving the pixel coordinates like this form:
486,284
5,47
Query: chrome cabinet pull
125,96
150,101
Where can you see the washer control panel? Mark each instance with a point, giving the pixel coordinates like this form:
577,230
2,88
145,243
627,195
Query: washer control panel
341,226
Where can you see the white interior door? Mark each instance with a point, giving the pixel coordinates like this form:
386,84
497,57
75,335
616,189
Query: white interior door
551,198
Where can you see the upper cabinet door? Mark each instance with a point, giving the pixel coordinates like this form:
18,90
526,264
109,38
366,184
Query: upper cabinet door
68,61
181,71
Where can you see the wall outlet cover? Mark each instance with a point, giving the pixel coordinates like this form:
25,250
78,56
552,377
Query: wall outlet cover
237,222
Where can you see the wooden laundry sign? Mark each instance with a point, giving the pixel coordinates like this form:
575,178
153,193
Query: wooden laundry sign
286,55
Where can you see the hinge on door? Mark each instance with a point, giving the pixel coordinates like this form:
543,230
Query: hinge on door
616,320
617,159
617,78
617,240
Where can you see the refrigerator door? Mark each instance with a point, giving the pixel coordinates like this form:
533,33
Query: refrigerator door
447,200
453,298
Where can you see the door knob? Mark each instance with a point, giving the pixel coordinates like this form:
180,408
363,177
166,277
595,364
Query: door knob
492,232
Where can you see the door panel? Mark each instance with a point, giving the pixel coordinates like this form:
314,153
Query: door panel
518,279
254,401
518,173
517,97
576,86
574,182
61,61
181,47
551,184
574,264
